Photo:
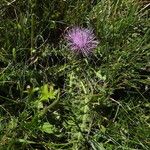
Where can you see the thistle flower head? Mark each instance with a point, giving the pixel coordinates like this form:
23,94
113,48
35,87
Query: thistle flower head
81,40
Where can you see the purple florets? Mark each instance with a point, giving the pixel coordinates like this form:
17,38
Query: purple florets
81,40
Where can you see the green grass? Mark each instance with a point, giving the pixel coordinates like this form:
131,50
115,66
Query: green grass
52,99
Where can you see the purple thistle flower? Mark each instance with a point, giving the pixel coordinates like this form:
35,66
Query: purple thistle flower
81,40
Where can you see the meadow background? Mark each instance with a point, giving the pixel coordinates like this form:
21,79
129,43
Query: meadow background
53,99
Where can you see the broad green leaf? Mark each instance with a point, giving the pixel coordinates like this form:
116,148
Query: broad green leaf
97,146
48,128
47,92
